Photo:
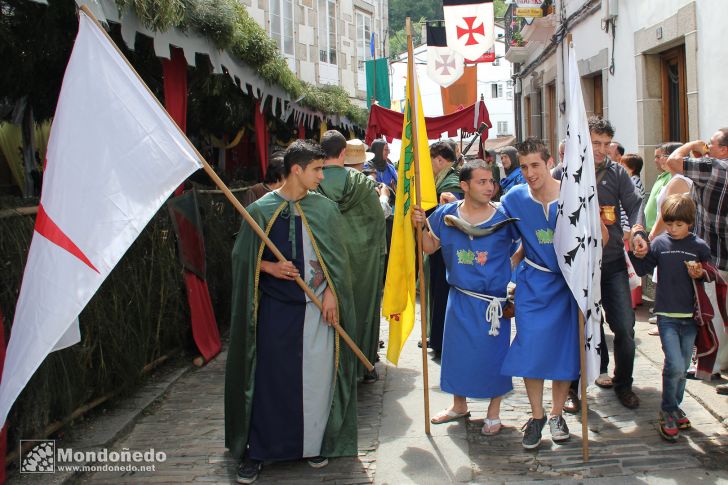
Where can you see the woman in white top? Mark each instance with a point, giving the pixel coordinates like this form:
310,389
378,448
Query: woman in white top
678,184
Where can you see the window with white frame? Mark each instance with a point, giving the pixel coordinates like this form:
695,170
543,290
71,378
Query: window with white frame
327,31
281,24
496,90
363,37
502,128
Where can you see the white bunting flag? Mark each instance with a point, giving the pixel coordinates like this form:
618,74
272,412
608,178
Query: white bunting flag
469,26
578,235
444,66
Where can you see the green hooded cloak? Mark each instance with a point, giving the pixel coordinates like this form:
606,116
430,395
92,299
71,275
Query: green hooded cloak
324,223
364,236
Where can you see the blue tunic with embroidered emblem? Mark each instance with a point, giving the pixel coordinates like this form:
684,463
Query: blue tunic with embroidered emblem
471,358
546,345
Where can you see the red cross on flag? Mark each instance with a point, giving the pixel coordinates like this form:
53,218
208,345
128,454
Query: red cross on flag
469,26
444,66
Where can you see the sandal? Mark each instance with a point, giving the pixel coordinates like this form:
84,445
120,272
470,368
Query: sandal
491,427
604,381
448,415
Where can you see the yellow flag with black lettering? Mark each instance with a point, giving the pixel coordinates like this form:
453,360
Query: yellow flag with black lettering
398,302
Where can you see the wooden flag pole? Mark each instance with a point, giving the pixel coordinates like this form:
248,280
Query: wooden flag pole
582,383
256,228
238,206
412,95
374,80
582,361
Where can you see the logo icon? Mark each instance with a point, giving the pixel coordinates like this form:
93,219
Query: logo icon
41,458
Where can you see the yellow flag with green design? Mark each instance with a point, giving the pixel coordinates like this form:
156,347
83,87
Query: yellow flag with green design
398,302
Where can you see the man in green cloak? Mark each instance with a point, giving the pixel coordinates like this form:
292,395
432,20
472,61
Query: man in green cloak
290,389
364,236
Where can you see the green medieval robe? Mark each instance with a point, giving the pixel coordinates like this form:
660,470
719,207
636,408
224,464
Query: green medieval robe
323,224
365,238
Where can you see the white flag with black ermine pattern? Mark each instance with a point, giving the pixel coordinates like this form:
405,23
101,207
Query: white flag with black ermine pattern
578,236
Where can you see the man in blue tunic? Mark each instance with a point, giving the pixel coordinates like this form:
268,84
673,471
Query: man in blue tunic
476,337
547,339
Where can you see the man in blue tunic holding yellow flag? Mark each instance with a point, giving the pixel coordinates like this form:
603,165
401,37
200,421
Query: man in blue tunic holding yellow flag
475,238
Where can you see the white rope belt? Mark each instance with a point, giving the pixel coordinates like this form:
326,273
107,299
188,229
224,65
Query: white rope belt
537,266
493,313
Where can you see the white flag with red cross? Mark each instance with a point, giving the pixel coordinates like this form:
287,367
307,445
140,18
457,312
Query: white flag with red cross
114,157
469,26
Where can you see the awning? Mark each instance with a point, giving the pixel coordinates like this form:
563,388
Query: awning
222,62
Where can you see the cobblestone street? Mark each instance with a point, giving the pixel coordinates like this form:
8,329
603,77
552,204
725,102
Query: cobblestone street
176,171
187,423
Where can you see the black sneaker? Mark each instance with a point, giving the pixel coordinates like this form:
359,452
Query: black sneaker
559,430
248,471
532,432
318,461
371,377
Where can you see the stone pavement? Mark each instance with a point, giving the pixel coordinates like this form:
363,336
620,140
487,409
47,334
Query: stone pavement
186,422
624,444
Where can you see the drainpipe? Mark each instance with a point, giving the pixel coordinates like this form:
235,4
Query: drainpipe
517,90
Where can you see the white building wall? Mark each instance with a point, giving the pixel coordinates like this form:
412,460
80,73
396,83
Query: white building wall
707,63
712,62
305,62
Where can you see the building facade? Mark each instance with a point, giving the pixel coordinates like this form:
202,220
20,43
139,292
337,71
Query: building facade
326,41
655,68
